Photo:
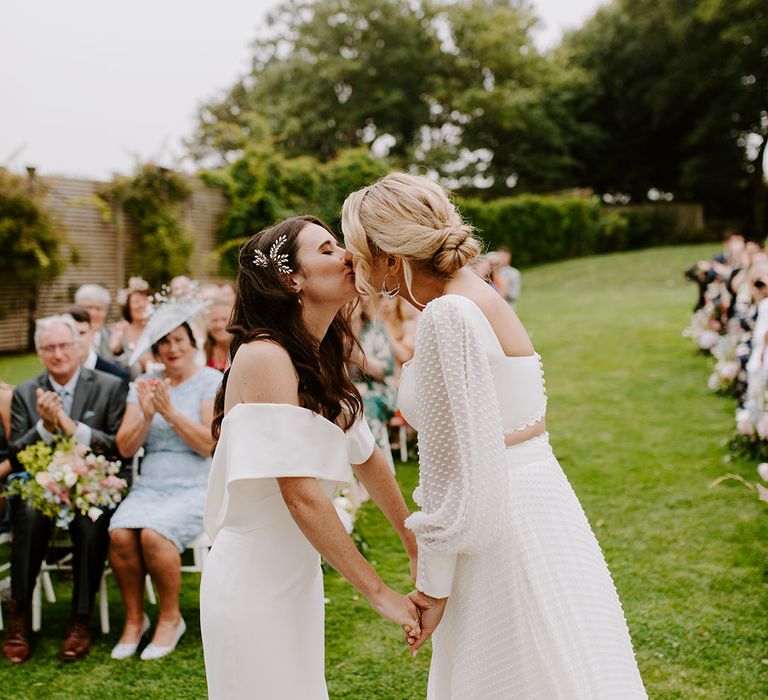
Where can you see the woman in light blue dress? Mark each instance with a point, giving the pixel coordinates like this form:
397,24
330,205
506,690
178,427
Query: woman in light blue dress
169,415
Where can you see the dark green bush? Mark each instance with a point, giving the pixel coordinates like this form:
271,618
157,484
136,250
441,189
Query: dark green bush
540,228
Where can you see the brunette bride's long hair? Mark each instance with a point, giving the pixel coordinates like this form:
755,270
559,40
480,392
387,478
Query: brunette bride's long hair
266,308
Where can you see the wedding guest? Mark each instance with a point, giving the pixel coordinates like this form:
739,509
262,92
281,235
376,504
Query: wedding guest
373,369
228,291
136,305
6,394
495,278
182,286
88,356
170,415
96,300
511,275
66,399
217,339
400,329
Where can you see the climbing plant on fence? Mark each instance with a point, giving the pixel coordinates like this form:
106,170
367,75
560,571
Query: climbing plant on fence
161,249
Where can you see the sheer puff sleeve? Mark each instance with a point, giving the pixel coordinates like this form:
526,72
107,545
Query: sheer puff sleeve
463,485
261,441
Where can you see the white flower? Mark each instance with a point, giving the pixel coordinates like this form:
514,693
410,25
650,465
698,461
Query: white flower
762,470
94,513
343,503
70,478
43,478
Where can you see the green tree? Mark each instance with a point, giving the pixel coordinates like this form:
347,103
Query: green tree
678,95
30,240
332,74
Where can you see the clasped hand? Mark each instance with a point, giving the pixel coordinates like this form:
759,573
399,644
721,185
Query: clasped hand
430,612
51,412
154,397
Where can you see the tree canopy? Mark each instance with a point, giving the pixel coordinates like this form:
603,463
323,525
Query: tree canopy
662,96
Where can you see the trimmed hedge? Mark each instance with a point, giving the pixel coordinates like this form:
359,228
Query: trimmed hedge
539,228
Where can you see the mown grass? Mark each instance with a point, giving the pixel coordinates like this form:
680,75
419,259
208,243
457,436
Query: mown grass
640,438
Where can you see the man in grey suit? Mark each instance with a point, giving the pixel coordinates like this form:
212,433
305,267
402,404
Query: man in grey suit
71,400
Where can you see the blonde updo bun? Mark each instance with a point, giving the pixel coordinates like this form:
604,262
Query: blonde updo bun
459,248
410,216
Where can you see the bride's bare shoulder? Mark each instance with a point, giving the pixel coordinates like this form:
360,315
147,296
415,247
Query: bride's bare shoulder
262,372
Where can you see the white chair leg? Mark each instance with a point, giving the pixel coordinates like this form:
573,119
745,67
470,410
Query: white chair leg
104,604
1,618
150,590
36,606
402,434
50,596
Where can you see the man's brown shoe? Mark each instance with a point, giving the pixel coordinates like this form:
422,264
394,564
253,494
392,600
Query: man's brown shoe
16,644
78,641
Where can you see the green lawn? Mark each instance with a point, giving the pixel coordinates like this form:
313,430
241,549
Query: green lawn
640,438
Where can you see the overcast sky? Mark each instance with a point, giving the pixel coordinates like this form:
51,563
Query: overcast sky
89,86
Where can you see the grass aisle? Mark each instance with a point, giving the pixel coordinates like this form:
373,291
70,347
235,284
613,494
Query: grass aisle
640,438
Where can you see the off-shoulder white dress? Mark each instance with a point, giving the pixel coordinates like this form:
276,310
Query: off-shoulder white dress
533,613
261,595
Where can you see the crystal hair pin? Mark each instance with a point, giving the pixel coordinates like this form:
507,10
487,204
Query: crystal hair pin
280,260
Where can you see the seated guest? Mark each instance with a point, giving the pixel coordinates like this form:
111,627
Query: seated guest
96,299
6,394
70,400
88,356
136,305
217,338
372,372
170,415
510,275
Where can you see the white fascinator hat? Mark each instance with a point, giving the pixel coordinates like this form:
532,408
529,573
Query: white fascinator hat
167,315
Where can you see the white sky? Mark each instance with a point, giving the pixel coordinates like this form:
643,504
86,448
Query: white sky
89,86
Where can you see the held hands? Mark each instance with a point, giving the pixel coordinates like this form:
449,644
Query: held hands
431,612
399,609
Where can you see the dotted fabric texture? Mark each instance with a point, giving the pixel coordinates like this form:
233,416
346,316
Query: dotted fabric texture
533,613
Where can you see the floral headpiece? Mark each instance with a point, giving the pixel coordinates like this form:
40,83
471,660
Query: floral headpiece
135,284
278,259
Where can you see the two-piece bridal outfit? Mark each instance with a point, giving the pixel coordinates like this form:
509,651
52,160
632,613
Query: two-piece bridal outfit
533,613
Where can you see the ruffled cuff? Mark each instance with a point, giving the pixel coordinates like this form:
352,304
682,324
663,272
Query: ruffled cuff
435,572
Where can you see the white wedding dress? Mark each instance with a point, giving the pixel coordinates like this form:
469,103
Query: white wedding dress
261,594
533,613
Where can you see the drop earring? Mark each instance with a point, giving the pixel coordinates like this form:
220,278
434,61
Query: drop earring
389,293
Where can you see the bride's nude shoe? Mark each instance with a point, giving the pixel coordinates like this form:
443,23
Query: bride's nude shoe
153,651
125,651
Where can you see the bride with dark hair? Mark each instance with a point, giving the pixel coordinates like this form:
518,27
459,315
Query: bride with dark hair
289,424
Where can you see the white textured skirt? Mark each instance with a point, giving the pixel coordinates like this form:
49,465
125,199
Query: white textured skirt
536,615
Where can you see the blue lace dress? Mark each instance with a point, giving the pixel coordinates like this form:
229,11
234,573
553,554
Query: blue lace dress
169,496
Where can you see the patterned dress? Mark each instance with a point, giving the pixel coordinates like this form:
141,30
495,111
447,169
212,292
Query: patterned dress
169,496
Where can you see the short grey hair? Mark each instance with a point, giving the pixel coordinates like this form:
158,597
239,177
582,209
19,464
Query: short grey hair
44,324
92,292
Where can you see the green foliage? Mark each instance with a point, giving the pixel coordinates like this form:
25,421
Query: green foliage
677,96
264,186
151,198
542,229
30,241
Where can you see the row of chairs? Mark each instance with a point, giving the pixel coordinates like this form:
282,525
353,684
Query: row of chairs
199,547
44,586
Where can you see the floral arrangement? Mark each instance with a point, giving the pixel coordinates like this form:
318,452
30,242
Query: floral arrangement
65,478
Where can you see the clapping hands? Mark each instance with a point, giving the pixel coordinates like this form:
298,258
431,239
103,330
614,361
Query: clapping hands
154,397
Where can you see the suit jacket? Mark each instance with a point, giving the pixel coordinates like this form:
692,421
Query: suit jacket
103,349
103,365
99,402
